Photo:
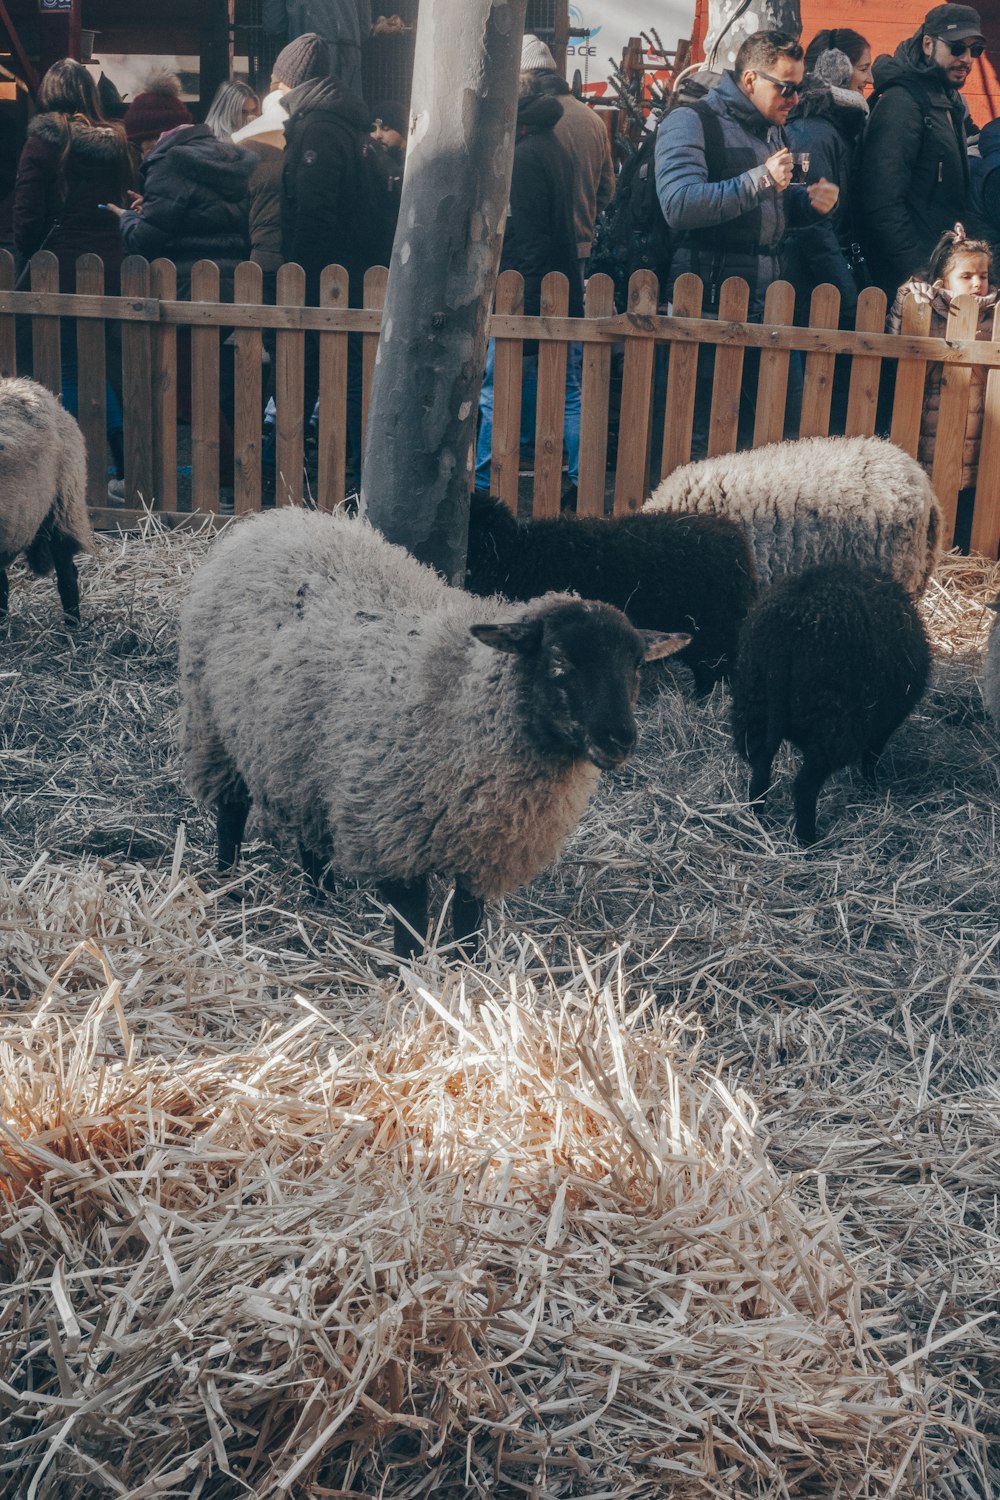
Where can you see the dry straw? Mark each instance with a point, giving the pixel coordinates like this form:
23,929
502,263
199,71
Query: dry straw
687,1189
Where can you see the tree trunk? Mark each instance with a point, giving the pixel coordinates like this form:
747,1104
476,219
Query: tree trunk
730,22
432,350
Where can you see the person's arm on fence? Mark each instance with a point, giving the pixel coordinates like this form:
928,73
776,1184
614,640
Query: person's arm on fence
687,198
34,196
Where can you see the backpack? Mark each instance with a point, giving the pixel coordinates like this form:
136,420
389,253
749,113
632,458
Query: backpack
633,235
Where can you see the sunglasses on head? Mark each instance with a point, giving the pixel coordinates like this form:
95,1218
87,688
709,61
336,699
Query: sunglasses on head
786,89
959,49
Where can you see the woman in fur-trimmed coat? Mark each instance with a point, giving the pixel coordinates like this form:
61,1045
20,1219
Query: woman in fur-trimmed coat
73,161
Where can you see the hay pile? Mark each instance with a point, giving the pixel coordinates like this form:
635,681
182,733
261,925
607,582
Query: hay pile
688,1189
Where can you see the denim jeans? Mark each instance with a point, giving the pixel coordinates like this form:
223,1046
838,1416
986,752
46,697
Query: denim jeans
529,398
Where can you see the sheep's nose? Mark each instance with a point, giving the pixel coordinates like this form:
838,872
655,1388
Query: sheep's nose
613,749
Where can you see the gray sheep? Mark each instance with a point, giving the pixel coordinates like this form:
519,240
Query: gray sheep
991,668
43,490
394,726
832,659
856,500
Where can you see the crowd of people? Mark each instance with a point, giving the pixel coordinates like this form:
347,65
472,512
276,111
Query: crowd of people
810,164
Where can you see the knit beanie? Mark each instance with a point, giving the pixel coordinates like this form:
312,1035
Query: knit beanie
834,68
393,115
157,108
306,58
535,56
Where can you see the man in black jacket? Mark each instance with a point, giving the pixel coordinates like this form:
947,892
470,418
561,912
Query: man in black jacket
539,236
914,177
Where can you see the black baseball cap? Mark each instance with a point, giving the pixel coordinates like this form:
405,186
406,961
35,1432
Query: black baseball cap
953,23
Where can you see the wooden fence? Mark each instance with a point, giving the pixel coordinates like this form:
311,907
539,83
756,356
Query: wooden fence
149,316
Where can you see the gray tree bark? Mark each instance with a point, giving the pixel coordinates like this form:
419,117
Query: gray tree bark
728,29
432,350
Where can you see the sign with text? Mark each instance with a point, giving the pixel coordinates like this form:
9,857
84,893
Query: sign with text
47,6
610,23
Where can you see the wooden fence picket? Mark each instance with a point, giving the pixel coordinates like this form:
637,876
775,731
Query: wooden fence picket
727,383
92,399
46,356
137,385
290,392
949,440
631,478
908,398
986,513
682,380
505,458
772,381
550,401
817,384
595,400
331,436
248,405
8,325
163,275
866,370
205,353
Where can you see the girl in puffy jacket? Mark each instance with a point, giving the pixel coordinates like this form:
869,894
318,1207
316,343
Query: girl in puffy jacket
958,266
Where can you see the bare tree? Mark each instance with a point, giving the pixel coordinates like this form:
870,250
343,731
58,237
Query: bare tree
730,22
432,350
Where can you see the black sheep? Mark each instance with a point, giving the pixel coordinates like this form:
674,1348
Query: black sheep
833,660
671,573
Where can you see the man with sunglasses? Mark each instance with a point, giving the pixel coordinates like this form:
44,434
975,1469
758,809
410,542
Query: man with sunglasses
914,175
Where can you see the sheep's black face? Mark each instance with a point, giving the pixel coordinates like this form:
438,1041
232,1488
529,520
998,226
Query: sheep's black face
582,662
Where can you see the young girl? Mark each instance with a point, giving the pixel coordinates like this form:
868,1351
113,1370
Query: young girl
958,266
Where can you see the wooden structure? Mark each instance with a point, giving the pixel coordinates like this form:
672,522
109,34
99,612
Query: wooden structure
150,316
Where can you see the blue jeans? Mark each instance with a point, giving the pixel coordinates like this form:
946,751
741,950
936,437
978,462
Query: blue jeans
529,398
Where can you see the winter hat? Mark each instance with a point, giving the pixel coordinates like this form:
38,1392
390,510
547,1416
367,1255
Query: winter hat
535,56
306,58
954,23
393,115
157,108
833,67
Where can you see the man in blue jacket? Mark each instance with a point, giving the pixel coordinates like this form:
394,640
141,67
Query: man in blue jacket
723,178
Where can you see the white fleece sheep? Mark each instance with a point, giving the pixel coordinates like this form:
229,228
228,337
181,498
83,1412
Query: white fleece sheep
349,693
43,489
821,500
991,668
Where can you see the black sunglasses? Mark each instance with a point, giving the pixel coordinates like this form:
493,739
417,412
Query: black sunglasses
959,49
785,89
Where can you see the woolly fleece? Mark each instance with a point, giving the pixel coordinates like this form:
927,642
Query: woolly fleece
819,500
337,677
991,670
43,469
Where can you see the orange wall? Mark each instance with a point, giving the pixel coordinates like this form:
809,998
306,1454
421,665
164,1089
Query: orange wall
885,23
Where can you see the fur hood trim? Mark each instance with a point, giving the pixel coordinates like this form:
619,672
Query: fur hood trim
100,145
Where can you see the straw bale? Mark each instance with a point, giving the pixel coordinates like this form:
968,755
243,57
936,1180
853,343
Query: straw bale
260,1183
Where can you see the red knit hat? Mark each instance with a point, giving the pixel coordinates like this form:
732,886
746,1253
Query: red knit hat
158,108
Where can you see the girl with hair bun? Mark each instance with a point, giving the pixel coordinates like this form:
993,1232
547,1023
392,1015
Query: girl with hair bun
958,266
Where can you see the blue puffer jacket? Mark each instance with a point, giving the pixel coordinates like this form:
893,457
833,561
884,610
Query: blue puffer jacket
733,226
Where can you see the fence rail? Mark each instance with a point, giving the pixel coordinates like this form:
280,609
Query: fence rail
653,411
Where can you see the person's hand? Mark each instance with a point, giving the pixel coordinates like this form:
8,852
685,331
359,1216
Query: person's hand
823,195
134,201
779,168
112,208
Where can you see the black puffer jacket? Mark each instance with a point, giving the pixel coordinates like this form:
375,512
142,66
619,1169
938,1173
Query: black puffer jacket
327,213
195,205
914,176
539,235
828,123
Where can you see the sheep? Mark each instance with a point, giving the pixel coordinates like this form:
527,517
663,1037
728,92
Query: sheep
859,500
690,573
832,659
991,668
43,490
395,726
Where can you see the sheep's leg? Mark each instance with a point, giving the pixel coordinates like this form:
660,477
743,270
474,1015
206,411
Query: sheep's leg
4,596
315,867
408,900
807,784
761,762
231,813
870,758
466,920
67,579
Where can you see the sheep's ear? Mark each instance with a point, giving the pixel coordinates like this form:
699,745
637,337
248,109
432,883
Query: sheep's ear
658,644
517,637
